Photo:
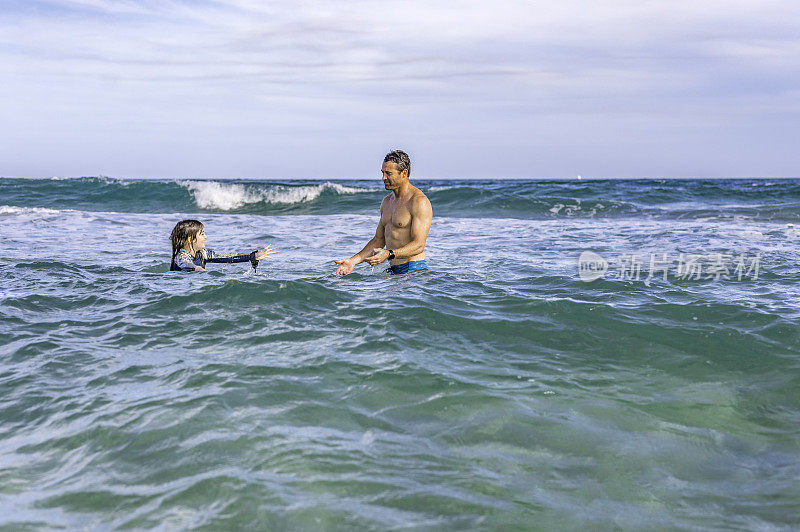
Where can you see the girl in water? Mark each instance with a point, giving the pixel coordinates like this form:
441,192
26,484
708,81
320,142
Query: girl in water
189,251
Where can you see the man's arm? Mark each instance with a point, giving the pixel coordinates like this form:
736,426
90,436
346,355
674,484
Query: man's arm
421,217
379,240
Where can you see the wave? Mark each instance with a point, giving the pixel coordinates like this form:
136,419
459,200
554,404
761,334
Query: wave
231,196
171,196
777,200
13,210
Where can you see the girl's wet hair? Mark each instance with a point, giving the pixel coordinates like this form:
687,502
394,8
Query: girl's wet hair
182,233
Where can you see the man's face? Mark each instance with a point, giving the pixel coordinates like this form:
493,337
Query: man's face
391,177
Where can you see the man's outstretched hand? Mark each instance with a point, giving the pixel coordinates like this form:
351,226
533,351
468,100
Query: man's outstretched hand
345,266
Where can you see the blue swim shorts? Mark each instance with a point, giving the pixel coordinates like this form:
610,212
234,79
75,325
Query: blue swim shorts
399,269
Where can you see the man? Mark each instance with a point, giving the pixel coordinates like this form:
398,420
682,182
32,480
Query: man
403,228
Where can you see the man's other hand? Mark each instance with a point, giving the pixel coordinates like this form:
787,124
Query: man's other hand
378,255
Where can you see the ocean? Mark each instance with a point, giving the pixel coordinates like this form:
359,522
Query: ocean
582,354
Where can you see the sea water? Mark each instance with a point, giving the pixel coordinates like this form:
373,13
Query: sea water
581,354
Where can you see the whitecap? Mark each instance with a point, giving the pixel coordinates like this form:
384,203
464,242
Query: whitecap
215,195
569,210
228,196
288,195
10,209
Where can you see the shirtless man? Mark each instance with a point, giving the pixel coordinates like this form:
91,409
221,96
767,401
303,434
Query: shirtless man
403,228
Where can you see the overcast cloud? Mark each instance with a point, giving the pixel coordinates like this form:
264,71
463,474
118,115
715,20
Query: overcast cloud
238,88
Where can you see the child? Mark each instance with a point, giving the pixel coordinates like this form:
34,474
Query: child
189,251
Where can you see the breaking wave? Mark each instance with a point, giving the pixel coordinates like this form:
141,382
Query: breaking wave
230,196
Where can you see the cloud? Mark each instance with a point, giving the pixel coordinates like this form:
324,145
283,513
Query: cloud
323,66
374,41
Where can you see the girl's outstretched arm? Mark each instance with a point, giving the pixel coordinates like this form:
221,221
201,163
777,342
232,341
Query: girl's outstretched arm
212,256
253,257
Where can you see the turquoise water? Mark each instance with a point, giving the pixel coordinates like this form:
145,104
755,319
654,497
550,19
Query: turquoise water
497,391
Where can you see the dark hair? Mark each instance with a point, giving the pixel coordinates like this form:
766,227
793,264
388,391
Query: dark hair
183,231
400,159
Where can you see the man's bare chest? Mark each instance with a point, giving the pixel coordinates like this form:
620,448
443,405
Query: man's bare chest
398,218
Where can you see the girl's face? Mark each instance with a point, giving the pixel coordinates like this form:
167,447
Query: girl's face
199,241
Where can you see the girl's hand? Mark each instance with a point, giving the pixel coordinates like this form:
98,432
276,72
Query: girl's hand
266,253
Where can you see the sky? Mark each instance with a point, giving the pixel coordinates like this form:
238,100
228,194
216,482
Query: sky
469,88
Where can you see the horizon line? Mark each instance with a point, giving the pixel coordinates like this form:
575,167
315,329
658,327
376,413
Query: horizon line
253,178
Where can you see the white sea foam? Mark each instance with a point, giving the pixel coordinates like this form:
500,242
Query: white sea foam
10,209
288,195
569,210
100,178
750,233
228,196
114,180
214,195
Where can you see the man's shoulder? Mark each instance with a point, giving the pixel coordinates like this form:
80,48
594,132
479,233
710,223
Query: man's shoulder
418,193
419,199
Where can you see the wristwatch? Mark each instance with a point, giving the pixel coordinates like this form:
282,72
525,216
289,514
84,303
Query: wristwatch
391,255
